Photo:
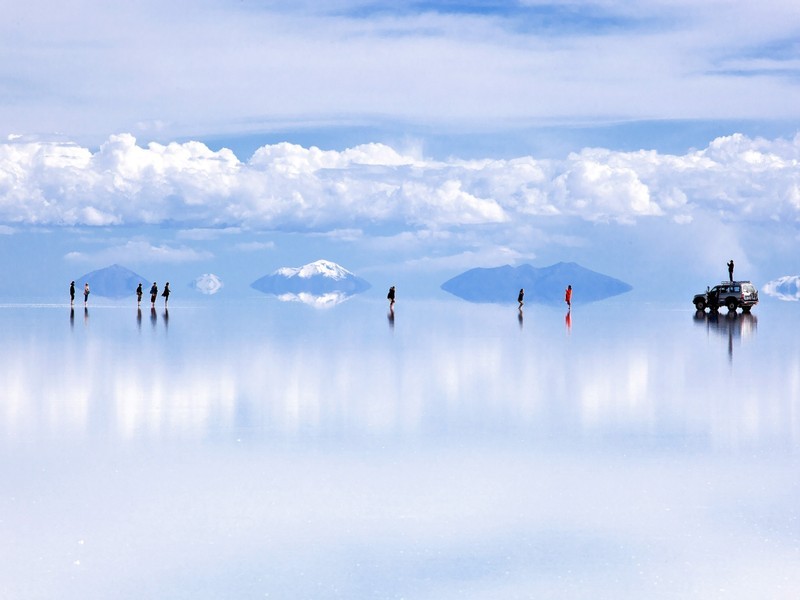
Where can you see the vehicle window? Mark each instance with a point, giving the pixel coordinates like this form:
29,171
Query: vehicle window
736,289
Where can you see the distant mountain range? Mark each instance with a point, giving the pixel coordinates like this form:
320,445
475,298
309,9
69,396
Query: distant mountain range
542,285
318,278
112,282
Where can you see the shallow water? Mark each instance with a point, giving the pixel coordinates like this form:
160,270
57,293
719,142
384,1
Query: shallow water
257,449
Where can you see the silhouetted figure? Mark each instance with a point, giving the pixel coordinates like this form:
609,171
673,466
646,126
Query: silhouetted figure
568,296
72,293
139,293
85,293
390,295
713,300
520,297
730,270
165,293
153,294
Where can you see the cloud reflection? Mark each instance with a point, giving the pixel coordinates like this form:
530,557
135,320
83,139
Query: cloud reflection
341,380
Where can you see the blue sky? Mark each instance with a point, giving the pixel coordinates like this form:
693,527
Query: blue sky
423,137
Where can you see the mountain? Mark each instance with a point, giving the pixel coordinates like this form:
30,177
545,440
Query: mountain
542,285
112,282
785,288
318,278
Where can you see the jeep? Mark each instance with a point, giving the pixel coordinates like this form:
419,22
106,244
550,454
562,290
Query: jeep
731,294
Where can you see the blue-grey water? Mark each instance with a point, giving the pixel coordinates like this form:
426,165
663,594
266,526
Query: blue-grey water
257,449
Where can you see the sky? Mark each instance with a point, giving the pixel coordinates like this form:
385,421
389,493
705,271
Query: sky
651,141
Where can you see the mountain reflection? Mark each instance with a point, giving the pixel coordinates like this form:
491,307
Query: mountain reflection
316,300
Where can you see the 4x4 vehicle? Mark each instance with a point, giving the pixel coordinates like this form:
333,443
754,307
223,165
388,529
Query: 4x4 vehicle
731,294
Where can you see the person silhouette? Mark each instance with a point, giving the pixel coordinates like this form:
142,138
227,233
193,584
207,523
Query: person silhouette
165,293
85,293
139,294
72,293
520,297
153,294
730,270
390,295
568,296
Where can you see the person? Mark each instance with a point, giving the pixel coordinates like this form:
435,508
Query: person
568,296
390,295
165,293
730,270
139,294
72,293
153,294
520,297
85,293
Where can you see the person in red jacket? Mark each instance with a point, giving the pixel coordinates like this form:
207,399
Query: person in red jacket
568,296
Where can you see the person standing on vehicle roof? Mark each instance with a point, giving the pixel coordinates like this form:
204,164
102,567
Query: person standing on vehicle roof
730,270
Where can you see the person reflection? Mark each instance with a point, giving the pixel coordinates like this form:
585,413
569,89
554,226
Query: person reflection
139,319
166,318
568,321
153,316
390,316
519,317
72,318
85,315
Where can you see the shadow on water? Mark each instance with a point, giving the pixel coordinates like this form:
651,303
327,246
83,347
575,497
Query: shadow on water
731,325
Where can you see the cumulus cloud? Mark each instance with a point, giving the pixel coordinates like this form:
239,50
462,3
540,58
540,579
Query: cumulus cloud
291,188
208,284
784,288
138,251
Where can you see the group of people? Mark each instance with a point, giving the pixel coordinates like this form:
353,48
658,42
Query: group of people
139,292
567,297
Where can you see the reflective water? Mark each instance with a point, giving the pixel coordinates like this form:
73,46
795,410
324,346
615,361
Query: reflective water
267,449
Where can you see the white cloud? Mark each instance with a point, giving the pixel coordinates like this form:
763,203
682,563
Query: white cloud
255,246
292,188
139,251
785,288
208,284
221,66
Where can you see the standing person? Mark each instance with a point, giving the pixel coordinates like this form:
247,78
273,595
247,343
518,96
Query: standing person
165,293
730,271
520,297
85,293
568,296
139,294
390,296
153,295
72,293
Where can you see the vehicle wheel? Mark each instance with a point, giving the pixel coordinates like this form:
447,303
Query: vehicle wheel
700,305
731,304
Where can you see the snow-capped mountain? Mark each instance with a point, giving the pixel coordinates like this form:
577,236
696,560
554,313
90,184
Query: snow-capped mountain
785,288
115,281
318,278
543,285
